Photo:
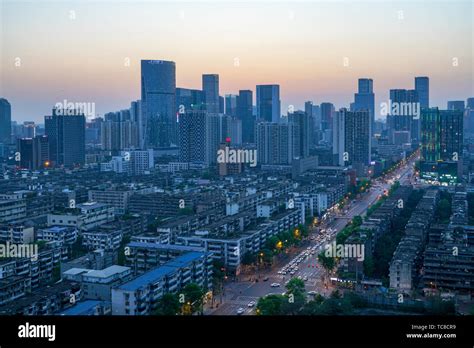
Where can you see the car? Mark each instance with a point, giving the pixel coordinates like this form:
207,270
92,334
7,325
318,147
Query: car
265,279
305,278
251,304
275,285
292,272
312,292
240,311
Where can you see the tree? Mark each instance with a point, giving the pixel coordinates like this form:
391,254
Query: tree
444,209
168,305
218,275
369,266
295,297
270,305
194,297
335,294
249,258
295,286
327,262
357,220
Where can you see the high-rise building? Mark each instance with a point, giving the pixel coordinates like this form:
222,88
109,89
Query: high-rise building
308,109
302,120
120,131
327,113
422,86
470,103
66,130
268,103
456,105
235,131
441,145
404,117
365,100
221,105
276,142
351,138
137,115
189,99
28,129
210,88
338,147
244,113
200,134
158,93
231,104
192,131
34,152
469,117
5,121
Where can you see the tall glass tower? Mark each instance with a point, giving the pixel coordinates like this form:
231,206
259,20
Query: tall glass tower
210,88
422,86
5,121
268,103
158,93
365,100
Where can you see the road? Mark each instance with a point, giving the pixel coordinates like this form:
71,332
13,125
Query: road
240,293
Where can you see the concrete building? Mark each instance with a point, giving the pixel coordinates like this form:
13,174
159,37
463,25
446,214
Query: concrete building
140,295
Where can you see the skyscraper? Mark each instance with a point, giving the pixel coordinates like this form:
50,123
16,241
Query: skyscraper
268,103
231,104
302,120
34,152
189,99
192,131
351,138
422,86
221,105
308,109
470,103
276,142
327,113
5,121
338,129
200,134
66,130
441,145
158,93
365,100
456,105
210,88
244,113
403,117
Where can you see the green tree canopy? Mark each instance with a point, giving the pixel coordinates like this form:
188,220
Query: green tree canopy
168,305
270,305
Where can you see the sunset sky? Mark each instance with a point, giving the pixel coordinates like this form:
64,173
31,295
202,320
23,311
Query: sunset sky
80,55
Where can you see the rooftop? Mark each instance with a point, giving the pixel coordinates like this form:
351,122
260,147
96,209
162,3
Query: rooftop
161,272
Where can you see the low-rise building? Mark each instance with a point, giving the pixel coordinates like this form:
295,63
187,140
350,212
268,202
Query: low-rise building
140,296
63,235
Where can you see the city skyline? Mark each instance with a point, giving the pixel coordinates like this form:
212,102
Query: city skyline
277,51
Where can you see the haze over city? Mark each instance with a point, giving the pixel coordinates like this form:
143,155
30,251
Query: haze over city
79,50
